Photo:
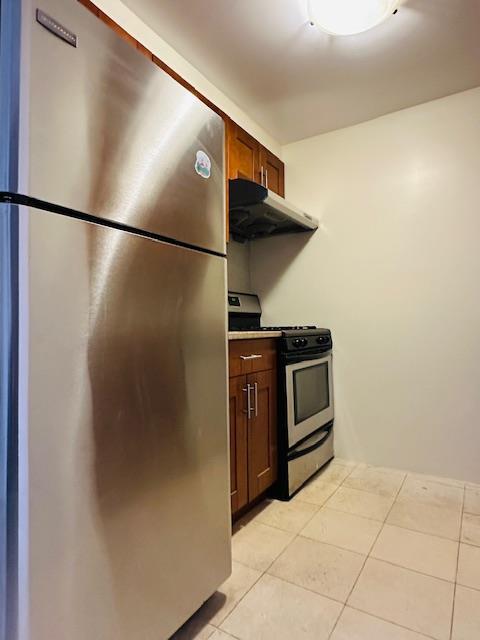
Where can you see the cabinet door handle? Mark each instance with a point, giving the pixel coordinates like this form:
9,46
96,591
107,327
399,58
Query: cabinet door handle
255,386
248,410
261,175
266,178
253,356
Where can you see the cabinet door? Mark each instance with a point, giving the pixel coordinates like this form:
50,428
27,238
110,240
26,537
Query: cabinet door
262,433
238,443
243,154
273,171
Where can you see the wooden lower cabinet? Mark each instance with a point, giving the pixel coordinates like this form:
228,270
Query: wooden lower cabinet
262,433
238,443
253,435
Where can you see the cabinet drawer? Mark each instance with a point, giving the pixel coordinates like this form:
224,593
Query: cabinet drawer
241,352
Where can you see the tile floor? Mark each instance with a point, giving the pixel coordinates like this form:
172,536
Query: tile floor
361,553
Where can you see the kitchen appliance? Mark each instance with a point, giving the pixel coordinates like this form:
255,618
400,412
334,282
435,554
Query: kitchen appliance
306,407
305,393
256,212
113,373
244,313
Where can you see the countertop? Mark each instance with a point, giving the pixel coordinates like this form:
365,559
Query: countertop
248,335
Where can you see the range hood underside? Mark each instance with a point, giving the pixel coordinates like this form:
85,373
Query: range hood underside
258,221
256,212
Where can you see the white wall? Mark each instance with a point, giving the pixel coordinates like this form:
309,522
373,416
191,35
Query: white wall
147,36
238,263
394,271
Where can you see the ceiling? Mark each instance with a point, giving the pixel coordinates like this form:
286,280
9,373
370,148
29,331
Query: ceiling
296,81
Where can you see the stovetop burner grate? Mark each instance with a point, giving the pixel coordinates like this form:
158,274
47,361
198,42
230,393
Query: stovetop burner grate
288,328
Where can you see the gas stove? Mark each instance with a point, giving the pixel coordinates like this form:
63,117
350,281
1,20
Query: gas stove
305,393
244,313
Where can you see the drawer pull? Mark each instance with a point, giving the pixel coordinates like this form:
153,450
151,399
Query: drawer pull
253,356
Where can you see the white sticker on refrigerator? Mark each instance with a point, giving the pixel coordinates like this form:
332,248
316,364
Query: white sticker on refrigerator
203,164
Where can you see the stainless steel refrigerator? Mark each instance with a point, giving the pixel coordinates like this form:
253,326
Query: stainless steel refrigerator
115,500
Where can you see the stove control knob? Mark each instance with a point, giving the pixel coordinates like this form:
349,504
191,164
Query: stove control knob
297,342
304,342
321,339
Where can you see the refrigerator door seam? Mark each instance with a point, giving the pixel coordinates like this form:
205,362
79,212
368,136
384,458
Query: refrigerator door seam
18,198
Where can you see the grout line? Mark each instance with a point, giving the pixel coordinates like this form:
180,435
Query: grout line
295,536
366,558
456,570
402,566
336,546
330,544
395,624
262,573
382,520
425,533
220,622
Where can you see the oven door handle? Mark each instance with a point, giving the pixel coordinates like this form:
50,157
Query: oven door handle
295,358
298,453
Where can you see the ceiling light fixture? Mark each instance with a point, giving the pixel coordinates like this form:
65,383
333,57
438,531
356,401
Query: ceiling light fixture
348,17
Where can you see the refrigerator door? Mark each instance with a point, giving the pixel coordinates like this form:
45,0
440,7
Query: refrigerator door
128,516
110,134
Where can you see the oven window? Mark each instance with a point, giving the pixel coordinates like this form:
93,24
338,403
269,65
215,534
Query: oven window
310,391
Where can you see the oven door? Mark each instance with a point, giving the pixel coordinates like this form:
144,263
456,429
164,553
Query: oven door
309,397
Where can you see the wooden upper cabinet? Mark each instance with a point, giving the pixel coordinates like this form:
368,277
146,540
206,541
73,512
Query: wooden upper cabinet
247,158
273,171
243,154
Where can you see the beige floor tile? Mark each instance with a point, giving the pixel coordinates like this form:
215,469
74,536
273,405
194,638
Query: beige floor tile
471,529
277,610
290,516
404,597
232,590
418,551
346,463
431,493
469,566
257,545
383,482
356,625
472,500
472,485
316,492
194,629
360,503
218,634
319,567
343,530
334,473
466,617
426,518
438,479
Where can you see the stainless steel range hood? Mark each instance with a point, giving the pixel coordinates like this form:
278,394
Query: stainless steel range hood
256,212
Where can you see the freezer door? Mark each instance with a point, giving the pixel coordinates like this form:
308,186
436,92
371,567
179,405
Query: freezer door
129,520
110,134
